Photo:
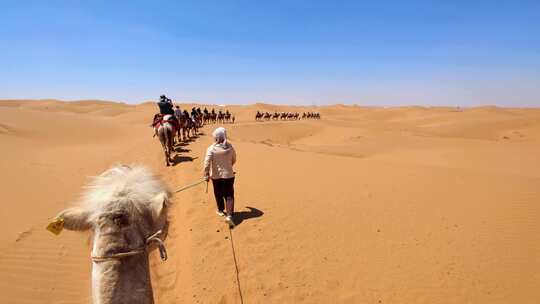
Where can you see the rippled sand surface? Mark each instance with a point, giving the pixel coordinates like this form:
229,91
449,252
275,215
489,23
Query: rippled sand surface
366,205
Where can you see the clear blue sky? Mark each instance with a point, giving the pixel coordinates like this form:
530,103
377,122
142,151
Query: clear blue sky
301,52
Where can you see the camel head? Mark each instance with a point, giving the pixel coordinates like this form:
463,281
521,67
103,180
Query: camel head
122,207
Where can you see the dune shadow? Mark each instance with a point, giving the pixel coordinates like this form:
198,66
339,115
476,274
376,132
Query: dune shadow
180,159
240,216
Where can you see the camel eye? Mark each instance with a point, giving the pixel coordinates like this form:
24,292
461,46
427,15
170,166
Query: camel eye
120,220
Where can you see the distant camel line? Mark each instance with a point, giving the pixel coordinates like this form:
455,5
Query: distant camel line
182,127
266,116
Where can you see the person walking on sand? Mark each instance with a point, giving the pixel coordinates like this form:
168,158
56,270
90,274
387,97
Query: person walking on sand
218,166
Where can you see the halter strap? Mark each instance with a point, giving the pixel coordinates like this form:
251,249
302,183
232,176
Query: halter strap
153,238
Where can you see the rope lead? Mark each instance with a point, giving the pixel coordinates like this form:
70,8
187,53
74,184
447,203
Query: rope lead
190,185
236,267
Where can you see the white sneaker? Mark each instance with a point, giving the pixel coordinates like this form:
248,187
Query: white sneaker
229,220
220,213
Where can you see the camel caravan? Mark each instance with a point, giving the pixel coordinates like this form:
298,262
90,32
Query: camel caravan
125,210
212,117
266,116
173,125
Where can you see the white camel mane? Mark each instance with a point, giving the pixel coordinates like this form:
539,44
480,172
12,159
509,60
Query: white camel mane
122,183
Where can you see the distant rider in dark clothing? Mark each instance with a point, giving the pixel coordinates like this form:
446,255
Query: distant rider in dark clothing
165,105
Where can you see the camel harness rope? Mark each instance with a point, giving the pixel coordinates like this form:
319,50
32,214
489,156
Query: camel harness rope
236,267
153,238
192,185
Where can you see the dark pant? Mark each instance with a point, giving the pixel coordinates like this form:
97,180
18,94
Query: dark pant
224,192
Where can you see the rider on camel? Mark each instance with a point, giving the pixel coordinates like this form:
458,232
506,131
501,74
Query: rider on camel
178,112
165,108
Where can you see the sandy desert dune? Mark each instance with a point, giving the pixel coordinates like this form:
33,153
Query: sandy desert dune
366,205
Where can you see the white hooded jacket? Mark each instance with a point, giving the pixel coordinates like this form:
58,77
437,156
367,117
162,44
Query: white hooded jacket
220,157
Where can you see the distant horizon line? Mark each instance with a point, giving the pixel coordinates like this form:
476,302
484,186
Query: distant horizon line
270,103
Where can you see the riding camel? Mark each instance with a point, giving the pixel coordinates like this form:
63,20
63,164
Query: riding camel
125,209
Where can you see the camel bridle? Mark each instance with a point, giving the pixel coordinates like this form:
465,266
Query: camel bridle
149,240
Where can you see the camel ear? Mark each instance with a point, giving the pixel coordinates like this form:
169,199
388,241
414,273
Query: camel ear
75,219
159,204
